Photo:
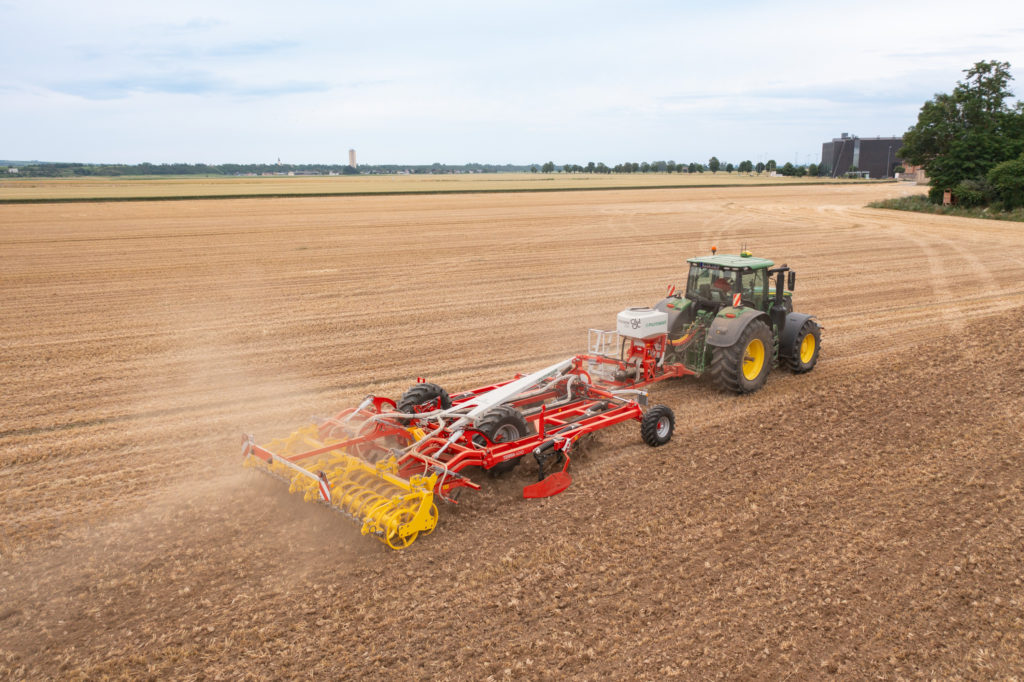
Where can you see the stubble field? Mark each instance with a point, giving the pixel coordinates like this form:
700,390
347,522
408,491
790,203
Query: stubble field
154,187
864,520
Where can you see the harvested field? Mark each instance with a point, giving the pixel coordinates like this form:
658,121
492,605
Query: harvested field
863,520
147,187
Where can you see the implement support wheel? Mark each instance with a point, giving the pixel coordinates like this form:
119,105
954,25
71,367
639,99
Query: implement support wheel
657,425
423,398
503,424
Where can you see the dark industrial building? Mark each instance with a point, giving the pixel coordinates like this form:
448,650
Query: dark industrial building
876,156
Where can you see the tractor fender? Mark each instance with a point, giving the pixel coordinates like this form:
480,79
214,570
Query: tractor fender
678,315
725,331
794,321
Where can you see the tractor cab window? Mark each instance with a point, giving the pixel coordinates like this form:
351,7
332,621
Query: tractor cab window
753,284
711,284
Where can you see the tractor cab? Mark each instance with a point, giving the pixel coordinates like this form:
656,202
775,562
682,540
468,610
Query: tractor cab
717,281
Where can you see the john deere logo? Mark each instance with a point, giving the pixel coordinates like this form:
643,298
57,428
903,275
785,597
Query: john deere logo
635,323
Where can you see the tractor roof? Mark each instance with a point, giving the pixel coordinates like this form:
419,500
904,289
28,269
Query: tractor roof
726,260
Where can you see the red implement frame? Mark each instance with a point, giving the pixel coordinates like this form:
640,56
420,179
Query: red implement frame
558,416
642,360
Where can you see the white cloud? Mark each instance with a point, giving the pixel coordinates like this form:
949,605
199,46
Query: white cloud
458,81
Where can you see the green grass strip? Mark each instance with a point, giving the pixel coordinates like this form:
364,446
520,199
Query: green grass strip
921,204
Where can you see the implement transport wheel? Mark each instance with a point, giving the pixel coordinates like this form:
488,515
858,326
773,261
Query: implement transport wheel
743,367
423,398
657,425
503,424
802,356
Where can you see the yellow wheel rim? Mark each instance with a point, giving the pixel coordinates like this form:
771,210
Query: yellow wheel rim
753,360
807,349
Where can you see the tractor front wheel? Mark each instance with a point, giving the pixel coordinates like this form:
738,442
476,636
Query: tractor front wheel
802,356
743,367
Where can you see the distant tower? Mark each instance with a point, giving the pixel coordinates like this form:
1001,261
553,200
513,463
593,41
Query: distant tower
352,157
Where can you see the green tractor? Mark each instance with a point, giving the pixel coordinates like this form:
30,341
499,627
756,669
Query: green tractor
736,321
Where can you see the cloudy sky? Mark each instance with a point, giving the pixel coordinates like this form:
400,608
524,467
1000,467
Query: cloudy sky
458,81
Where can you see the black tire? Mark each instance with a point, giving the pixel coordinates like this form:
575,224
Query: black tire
503,424
787,305
657,425
423,398
733,369
802,356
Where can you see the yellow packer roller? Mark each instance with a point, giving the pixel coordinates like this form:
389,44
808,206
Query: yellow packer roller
393,509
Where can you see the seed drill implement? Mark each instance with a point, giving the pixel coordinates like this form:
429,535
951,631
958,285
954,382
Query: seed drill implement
386,463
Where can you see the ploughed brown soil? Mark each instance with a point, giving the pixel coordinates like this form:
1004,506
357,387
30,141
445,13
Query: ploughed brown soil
863,520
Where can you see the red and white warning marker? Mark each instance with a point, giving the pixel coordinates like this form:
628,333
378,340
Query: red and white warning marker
325,487
737,300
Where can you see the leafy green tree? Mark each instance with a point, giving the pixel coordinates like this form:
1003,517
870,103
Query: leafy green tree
788,169
590,167
760,167
971,193
1007,182
533,169
714,164
548,167
670,167
965,134
812,170
729,168
770,166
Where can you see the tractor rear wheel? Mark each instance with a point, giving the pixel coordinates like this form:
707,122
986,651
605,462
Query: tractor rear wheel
503,424
802,356
657,425
743,367
423,398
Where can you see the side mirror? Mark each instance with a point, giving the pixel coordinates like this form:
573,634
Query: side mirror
791,281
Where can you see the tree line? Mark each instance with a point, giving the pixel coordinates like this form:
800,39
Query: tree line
713,165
